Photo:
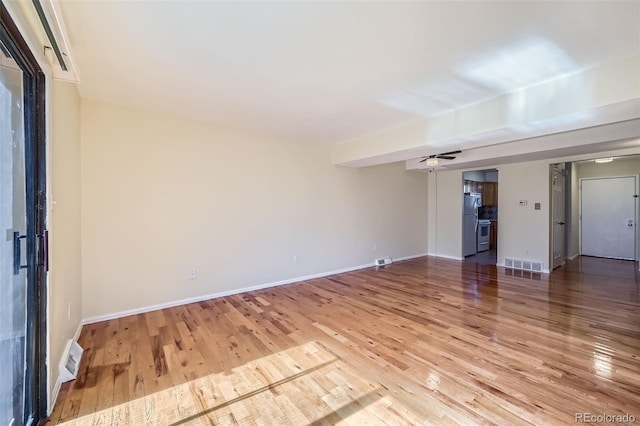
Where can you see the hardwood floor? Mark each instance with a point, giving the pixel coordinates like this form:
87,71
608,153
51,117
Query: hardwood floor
428,341
487,257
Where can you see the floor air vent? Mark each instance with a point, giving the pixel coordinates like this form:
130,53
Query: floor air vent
71,363
384,261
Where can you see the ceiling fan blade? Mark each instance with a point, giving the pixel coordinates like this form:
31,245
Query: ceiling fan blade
423,160
446,157
447,153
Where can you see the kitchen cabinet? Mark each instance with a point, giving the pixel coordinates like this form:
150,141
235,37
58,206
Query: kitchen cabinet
489,191
473,186
490,194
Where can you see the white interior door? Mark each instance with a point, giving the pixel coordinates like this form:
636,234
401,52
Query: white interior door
558,218
608,217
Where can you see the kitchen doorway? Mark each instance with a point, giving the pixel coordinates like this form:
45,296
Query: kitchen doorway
480,216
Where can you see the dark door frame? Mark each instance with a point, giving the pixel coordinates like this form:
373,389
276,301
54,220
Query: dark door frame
36,237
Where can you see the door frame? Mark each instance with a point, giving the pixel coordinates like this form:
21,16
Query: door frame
555,168
36,242
637,234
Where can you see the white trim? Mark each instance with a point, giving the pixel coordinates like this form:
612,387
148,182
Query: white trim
53,396
413,256
444,256
572,257
188,300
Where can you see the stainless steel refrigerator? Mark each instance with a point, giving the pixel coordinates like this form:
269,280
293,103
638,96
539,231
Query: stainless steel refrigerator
470,224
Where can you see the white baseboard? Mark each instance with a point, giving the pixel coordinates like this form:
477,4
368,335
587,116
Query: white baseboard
444,256
572,257
186,301
56,388
413,256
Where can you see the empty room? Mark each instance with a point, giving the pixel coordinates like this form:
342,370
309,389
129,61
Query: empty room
309,212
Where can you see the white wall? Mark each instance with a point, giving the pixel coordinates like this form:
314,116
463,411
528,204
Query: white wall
475,175
523,232
445,194
619,167
161,195
491,176
573,248
63,221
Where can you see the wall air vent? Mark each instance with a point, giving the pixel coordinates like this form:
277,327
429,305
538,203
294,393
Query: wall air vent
383,261
525,265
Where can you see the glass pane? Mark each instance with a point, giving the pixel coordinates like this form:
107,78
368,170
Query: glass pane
13,287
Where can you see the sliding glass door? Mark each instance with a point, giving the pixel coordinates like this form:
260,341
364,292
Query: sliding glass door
22,231
13,219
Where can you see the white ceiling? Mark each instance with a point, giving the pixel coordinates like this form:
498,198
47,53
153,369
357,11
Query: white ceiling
327,72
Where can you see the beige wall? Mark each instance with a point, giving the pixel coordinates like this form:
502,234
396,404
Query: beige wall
63,221
523,232
619,167
574,246
445,204
161,195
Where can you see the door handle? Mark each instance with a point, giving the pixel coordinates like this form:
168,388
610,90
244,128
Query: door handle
43,250
17,254
560,223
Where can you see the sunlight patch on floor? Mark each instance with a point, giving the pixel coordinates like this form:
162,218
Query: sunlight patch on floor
302,385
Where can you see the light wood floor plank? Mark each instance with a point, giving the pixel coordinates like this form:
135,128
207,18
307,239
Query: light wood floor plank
426,341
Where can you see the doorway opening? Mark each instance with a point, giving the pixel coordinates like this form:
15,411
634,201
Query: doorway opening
601,210
480,216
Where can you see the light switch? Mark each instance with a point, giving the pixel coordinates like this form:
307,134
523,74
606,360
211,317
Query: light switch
536,206
523,202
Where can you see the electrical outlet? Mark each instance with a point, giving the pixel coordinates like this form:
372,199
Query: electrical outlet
375,247
192,274
295,258
69,311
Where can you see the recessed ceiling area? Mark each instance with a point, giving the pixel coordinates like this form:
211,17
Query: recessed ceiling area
335,72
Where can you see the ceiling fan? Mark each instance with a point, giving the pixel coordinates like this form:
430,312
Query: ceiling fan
432,160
